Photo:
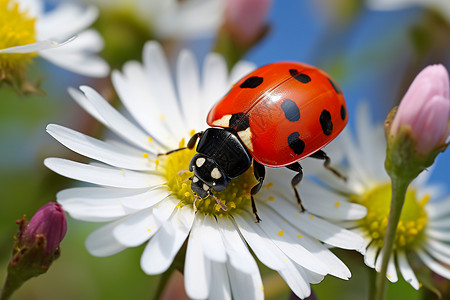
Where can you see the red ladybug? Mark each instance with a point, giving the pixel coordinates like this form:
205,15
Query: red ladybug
274,116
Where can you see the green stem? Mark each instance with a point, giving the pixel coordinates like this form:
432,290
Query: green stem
399,187
372,284
10,287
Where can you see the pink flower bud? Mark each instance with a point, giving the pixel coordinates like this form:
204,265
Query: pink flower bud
425,109
50,222
246,17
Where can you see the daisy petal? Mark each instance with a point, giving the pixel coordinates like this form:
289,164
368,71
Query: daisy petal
391,272
162,248
371,255
31,48
117,123
274,227
188,88
245,285
323,230
406,270
442,235
101,242
437,254
82,101
214,84
101,175
136,229
132,88
438,209
98,150
197,268
211,240
296,279
239,256
434,265
161,83
266,251
220,284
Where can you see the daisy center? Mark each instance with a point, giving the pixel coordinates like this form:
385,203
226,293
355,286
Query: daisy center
235,197
412,220
17,28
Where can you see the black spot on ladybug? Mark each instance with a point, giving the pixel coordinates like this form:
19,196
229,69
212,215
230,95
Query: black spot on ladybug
290,109
303,78
251,82
239,121
325,122
335,86
295,143
343,112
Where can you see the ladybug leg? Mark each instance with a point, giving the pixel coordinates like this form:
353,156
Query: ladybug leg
322,155
260,173
295,181
190,145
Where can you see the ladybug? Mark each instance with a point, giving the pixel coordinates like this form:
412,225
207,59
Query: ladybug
275,116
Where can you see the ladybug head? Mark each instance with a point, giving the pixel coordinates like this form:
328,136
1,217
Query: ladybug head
207,175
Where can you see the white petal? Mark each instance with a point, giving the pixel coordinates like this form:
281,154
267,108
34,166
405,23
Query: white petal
135,93
333,265
237,251
197,268
211,239
371,255
135,229
65,20
89,41
117,123
162,248
434,265
316,227
101,175
436,249
263,247
31,48
391,272
245,285
296,279
406,270
214,82
188,90
438,209
81,99
274,228
78,62
220,284
98,150
102,243
161,83
442,235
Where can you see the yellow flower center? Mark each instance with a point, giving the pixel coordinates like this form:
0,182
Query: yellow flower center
413,219
236,196
17,28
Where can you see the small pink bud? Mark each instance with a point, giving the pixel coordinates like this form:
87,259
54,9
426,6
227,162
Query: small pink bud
425,109
246,18
50,222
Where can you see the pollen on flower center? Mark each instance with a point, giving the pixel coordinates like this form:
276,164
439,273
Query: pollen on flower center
412,221
236,196
17,28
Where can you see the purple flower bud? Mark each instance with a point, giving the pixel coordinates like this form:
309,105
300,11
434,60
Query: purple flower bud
425,109
50,222
246,17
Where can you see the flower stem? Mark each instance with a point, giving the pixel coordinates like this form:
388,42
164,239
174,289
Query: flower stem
399,188
10,286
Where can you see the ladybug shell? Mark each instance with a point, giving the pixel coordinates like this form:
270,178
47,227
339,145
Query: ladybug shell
282,112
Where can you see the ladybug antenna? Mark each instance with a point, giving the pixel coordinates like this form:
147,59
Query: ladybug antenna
223,205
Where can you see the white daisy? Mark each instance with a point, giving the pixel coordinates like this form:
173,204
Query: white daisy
171,18
27,30
423,228
147,199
